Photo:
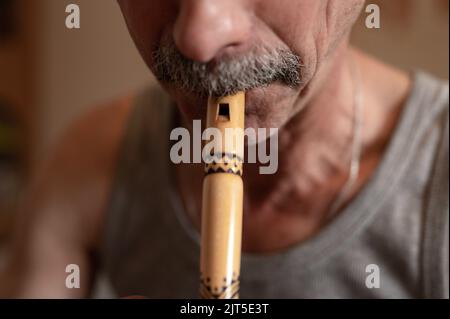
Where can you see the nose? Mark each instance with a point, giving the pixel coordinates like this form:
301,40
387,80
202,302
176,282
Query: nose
205,28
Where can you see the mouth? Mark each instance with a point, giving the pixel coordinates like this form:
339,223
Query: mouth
251,96
261,103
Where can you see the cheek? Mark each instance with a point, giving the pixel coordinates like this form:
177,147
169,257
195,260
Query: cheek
314,29
147,21
338,18
293,22
298,25
311,28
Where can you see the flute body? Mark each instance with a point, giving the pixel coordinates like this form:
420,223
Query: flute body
222,201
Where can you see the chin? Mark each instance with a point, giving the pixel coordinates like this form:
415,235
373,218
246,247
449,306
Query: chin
270,107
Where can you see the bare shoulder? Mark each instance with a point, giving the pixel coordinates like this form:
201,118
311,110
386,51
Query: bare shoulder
62,212
74,182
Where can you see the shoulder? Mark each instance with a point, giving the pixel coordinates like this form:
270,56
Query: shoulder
89,145
73,182
94,136
83,168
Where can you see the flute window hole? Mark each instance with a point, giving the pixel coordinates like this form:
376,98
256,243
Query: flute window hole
223,113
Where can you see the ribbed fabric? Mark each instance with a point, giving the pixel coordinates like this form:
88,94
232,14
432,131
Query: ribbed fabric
399,220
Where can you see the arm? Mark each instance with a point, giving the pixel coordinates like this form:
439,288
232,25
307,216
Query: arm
60,220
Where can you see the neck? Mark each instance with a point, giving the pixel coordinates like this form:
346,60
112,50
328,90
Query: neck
314,159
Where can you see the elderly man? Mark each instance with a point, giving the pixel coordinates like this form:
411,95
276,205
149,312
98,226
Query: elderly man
358,207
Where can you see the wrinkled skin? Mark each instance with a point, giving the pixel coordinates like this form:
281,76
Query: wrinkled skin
205,30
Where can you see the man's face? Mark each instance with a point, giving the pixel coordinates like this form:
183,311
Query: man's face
273,49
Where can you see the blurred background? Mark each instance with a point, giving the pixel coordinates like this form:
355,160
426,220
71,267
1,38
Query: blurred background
50,75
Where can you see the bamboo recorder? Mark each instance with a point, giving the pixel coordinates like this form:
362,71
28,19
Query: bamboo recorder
222,202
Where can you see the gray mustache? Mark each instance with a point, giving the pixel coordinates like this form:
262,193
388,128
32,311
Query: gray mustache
259,68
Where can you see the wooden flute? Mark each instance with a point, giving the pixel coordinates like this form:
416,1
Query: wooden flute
222,201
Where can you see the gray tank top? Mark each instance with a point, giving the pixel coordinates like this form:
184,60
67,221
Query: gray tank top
396,227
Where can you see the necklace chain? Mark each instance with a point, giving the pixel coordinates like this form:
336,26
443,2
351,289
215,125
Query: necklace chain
356,148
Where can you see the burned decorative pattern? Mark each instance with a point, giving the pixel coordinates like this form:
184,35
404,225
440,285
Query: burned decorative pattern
224,163
225,291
